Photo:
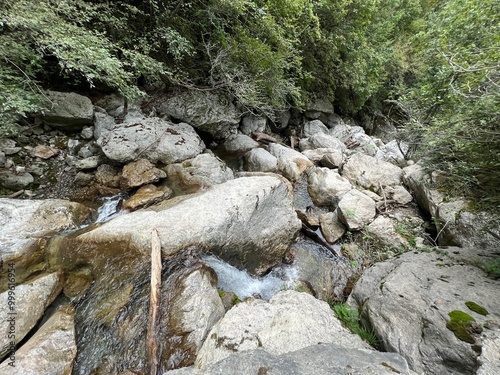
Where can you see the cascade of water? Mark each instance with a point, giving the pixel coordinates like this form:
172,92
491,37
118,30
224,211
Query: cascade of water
109,209
231,279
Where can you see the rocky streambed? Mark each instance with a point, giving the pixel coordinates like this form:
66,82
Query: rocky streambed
258,232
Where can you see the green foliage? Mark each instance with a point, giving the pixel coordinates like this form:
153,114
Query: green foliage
350,319
453,97
459,324
476,308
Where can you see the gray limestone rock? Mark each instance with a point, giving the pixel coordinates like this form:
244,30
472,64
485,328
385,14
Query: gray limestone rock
407,301
209,111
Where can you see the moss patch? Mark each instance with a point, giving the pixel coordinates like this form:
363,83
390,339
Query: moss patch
476,308
459,324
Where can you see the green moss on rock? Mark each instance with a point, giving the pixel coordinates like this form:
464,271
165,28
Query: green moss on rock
476,308
459,324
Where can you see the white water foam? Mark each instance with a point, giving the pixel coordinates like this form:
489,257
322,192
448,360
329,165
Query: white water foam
245,285
109,209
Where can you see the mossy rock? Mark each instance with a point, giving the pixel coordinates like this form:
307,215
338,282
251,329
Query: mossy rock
476,308
459,324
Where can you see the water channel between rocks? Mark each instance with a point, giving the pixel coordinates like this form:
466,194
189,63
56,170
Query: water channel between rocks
111,291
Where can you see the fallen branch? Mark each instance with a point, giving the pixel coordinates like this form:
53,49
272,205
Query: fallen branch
154,304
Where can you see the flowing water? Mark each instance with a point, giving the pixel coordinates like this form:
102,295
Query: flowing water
231,279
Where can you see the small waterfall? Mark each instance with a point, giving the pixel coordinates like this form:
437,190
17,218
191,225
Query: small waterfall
245,285
110,208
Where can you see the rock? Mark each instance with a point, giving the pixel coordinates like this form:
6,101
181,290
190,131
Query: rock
209,111
253,124
318,107
291,163
88,163
407,301
140,172
318,153
102,123
51,351
282,120
68,111
146,196
314,127
44,152
459,226
356,209
8,146
3,159
153,139
112,104
288,322
341,131
327,275
331,227
332,160
194,306
83,179
370,173
107,175
12,181
249,222
418,181
30,302
259,160
321,140
334,120
393,152
203,171
24,223
326,186
239,143
383,231
399,194
87,133
360,142
319,359
86,152
490,353
454,220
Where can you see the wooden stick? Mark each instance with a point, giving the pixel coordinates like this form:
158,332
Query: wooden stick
154,303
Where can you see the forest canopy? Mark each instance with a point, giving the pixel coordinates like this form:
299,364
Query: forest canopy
432,63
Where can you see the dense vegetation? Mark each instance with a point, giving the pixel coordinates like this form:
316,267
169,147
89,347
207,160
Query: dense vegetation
431,65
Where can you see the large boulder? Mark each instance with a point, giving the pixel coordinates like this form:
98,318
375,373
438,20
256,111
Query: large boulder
192,307
198,173
249,222
253,124
239,143
25,223
288,322
326,275
260,160
326,186
319,359
30,301
51,351
209,111
321,140
291,163
371,173
408,301
456,222
140,172
314,127
68,111
153,139
356,209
